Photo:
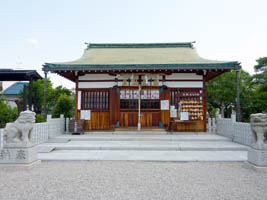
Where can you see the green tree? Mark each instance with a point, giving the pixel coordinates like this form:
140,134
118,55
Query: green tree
7,114
247,95
221,94
64,105
260,79
52,95
39,85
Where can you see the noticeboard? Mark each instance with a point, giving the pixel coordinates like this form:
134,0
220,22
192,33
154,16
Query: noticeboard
164,104
85,114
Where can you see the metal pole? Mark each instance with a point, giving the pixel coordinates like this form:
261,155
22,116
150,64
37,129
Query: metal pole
45,89
35,99
238,114
24,98
30,94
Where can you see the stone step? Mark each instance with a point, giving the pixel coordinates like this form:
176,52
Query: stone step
148,145
156,156
127,137
131,132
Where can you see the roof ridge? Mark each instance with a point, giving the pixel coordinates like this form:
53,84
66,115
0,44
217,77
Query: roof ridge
140,45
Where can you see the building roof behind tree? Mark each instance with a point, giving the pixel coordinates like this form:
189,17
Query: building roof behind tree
14,89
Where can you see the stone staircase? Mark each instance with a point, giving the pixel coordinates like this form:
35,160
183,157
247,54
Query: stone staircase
143,146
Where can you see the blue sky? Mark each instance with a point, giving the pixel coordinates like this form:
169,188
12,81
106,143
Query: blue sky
34,31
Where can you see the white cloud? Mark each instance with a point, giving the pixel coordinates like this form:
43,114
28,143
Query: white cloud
32,41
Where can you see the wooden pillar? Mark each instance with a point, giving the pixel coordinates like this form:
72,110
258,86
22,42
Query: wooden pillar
204,100
165,114
76,96
139,103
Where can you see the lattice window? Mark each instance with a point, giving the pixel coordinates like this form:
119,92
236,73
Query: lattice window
95,100
149,99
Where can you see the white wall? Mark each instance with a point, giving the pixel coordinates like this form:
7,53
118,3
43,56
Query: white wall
96,84
96,77
172,84
184,76
184,84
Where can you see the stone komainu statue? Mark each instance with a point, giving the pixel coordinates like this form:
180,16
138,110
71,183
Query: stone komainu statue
20,131
258,123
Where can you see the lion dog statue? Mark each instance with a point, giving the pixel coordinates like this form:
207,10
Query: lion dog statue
20,131
258,123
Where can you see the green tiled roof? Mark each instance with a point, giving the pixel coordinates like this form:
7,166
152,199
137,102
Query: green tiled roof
140,56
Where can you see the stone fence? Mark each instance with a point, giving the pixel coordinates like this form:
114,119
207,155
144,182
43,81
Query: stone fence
45,130
1,138
239,132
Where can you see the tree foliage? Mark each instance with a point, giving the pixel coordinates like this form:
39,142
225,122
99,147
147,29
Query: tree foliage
52,95
221,92
64,105
7,114
260,79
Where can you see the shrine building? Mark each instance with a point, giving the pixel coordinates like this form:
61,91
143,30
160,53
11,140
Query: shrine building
142,85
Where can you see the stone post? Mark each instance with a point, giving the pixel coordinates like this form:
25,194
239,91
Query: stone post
67,125
1,139
257,155
233,117
49,125
209,124
49,117
18,148
62,121
213,125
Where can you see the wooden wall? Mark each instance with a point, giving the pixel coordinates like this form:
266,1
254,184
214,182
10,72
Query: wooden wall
148,118
99,121
165,114
109,119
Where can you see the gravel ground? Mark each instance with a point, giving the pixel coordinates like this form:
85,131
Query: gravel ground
133,180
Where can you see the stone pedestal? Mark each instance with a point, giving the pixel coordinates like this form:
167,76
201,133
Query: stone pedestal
257,157
19,154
